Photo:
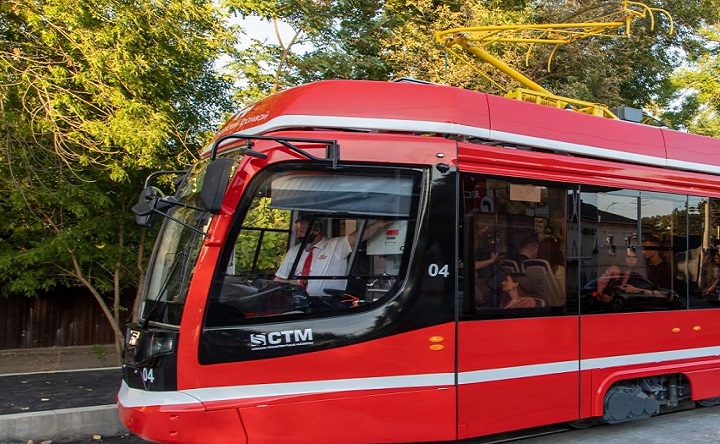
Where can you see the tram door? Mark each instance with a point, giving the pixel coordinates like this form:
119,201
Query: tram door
518,353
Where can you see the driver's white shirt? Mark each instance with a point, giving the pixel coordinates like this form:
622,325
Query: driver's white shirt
329,259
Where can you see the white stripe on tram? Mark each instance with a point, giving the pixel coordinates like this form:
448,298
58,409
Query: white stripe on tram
586,150
649,358
324,386
290,121
523,371
130,397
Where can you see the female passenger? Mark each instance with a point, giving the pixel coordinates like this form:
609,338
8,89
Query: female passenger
515,296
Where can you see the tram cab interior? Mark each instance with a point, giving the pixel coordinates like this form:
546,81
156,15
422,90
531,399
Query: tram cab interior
268,234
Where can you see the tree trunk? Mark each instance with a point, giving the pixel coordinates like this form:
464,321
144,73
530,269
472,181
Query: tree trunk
116,290
141,279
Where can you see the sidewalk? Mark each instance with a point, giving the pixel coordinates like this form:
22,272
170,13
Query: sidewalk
33,360
58,394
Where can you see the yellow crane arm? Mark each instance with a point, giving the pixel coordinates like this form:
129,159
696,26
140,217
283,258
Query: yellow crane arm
474,40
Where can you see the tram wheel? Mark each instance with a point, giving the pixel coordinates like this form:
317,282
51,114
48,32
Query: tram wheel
581,424
709,402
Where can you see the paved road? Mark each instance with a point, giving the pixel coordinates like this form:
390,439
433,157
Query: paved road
60,404
698,426
36,392
123,439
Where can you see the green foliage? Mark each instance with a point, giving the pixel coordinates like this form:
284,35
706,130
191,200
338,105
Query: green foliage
93,95
348,44
634,70
100,352
52,225
413,52
261,216
111,83
394,38
698,89
344,37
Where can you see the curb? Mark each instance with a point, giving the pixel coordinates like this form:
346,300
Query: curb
75,370
64,424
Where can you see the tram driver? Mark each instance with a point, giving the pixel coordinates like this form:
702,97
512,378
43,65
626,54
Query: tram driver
322,256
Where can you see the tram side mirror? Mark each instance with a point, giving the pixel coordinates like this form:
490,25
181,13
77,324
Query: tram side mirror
217,177
147,205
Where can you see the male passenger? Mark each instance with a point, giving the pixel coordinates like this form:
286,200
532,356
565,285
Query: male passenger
659,271
322,256
527,248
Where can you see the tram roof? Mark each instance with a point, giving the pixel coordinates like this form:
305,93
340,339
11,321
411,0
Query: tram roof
437,109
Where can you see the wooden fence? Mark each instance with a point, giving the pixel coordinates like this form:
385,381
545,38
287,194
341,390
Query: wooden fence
63,318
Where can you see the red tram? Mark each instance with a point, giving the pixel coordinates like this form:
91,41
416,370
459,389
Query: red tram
607,231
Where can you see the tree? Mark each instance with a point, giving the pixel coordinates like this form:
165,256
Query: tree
412,51
93,93
344,37
697,89
632,70
394,38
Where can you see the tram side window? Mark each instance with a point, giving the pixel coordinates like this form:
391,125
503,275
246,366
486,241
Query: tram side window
704,253
634,251
315,244
515,245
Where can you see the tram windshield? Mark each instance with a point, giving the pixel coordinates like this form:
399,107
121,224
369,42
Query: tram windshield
176,251
313,243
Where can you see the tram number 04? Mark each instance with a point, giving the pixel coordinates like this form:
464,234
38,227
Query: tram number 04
438,270
147,375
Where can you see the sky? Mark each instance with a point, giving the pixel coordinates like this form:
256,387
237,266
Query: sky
264,31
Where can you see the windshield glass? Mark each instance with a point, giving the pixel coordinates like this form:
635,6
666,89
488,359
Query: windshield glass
176,251
316,243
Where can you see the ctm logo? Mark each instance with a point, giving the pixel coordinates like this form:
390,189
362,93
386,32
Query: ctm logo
281,338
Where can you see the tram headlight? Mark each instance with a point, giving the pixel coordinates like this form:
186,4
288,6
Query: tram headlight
142,345
161,344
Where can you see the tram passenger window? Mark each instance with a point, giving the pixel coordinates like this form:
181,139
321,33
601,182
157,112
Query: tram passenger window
634,250
516,247
315,244
704,253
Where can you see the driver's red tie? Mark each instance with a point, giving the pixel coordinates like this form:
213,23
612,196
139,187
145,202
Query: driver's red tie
306,266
